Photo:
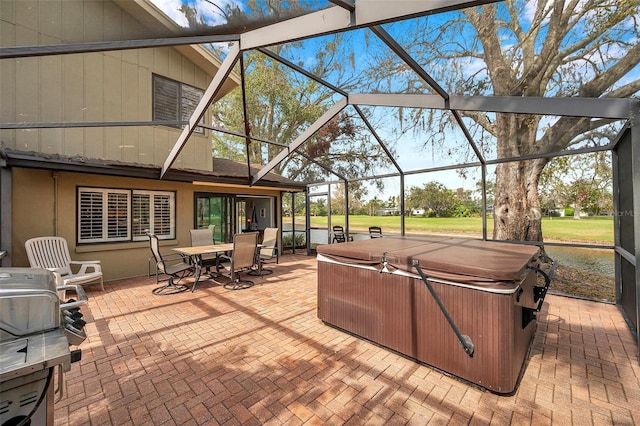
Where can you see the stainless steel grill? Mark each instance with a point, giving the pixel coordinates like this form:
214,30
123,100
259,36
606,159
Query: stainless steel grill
36,332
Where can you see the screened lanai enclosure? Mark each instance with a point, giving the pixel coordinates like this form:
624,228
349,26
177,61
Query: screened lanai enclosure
507,106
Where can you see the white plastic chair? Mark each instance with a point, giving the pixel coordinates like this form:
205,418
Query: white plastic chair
52,253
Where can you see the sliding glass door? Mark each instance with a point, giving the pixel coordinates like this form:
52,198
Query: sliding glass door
228,214
217,212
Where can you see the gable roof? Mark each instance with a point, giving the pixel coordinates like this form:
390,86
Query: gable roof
158,22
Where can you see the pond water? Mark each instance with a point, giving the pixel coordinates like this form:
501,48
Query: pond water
592,260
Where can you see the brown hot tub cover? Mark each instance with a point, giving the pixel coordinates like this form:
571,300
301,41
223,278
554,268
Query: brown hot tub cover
457,259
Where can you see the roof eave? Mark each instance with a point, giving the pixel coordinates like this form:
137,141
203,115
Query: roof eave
34,161
152,17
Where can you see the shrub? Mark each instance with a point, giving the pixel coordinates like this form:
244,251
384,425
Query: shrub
461,211
287,239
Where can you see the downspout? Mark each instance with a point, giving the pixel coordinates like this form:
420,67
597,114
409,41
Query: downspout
6,201
54,175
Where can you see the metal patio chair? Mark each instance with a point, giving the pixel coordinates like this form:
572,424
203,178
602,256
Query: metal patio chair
243,259
204,237
176,271
375,232
268,250
339,236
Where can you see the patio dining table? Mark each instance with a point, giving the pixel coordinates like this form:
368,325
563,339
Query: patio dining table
195,254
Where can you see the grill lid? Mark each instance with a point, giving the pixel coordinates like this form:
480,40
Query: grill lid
26,279
29,302
31,336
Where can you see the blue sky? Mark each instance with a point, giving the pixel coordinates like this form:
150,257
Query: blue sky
408,145
206,8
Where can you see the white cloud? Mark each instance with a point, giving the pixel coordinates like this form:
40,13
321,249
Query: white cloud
208,10
211,13
172,9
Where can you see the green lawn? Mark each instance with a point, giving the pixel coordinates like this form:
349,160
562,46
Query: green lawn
594,230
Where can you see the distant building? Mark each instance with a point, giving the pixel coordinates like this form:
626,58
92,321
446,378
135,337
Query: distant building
559,212
388,211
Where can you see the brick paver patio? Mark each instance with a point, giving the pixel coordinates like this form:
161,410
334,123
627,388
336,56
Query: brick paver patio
261,356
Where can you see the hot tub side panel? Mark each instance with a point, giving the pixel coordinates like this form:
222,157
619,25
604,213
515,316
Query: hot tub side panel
378,307
400,313
492,321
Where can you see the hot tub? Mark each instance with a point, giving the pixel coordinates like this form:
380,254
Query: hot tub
473,316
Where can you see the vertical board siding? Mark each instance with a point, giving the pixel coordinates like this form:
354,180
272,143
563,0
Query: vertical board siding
401,314
100,86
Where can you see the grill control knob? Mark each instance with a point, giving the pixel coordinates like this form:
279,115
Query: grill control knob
78,324
73,314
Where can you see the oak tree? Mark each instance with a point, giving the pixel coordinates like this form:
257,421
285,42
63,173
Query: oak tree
539,48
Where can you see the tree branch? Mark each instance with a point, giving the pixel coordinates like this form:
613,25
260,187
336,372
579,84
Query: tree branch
483,19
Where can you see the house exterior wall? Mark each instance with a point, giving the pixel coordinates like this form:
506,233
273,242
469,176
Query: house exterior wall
113,86
45,203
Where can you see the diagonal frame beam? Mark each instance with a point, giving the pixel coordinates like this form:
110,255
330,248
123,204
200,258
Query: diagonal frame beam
301,70
214,87
408,59
322,166
467,134
337,19
284,145
350,5
377,137
326,21
324,119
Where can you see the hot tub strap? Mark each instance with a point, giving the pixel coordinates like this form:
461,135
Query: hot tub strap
539,292
465,341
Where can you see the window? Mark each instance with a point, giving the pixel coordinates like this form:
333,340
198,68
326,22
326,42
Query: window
111,215
175,101
153,212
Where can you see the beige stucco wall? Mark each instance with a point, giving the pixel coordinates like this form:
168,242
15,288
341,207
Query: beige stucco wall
90,87
44,203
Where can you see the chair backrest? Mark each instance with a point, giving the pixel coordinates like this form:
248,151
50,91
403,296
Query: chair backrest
375,232
154,245
49,253
269,241
270,237
201,237
244,250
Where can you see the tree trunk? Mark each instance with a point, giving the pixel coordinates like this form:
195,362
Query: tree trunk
576,211
517,214
516,211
